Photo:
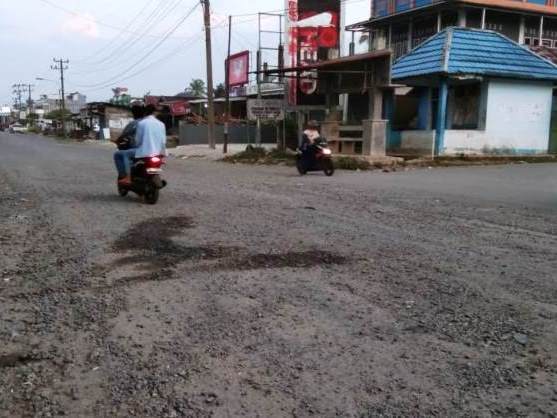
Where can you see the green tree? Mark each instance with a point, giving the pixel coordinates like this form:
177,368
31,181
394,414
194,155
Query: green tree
197,88
220,90
32,118
57,114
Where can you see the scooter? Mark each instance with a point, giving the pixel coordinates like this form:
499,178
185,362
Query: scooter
147,179
323,161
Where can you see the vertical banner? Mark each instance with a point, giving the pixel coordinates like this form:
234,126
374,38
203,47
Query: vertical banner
313,35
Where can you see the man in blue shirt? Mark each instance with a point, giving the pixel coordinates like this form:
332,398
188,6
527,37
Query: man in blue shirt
126,144
150,141
150,135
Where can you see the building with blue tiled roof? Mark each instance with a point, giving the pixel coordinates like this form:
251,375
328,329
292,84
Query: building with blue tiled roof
475,91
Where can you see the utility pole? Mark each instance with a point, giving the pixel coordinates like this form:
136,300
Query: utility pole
259,59
18,91
227,78
30,98
210,88
61,65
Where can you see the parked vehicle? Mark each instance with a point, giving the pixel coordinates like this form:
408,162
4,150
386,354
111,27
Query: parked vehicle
321,161
147,179
17,128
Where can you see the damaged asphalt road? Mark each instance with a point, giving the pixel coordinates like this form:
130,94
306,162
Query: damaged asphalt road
430,293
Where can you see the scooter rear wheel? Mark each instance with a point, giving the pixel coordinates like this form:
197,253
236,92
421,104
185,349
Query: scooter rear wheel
151,194
328,168
122,191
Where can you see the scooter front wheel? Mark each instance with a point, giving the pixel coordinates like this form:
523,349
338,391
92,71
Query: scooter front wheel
301,167
328,168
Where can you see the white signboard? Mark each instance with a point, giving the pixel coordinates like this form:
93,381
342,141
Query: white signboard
265,109
119,123
5,111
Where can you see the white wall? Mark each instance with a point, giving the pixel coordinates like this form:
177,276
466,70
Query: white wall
518,120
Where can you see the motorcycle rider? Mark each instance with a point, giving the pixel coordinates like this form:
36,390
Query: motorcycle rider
150,136
126,144
310,140
150,141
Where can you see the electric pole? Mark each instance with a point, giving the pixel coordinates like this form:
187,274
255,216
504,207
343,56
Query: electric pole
61,65
210,87
30,99
18,91
227,78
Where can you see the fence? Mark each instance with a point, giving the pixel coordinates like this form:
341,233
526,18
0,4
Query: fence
238,134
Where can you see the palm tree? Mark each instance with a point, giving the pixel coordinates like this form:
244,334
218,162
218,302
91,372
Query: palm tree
197,88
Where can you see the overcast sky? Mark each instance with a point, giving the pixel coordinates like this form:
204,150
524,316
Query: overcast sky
120,43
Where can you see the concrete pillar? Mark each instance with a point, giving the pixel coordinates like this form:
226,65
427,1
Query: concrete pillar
462,17
541,29
375,104
424,109
375,138
439,22
521,30
375,128
441,117
484,15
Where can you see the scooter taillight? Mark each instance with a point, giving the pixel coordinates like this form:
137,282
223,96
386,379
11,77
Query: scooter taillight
153,162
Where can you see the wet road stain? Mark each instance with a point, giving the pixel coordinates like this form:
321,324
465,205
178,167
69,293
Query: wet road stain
17,359
150,247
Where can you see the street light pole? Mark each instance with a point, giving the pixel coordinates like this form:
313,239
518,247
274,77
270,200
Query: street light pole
210,88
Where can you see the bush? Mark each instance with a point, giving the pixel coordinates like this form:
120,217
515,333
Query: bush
259,155
350,163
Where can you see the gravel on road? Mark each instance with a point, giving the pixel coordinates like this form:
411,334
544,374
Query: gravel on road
251,291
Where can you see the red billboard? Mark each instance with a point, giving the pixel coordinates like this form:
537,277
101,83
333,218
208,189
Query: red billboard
238,69
313,36
178,108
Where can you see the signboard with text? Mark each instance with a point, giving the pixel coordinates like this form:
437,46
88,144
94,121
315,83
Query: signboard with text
265,110
238,69
313,36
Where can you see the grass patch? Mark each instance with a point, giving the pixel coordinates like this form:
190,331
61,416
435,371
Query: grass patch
258,155
350,163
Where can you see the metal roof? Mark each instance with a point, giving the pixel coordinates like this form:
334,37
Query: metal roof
514,6
464,51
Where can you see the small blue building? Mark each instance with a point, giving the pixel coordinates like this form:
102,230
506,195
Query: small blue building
474,92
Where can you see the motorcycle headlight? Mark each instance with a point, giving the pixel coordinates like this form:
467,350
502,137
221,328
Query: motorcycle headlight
327,151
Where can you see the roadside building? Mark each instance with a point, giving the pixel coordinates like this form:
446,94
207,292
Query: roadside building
112,119
401,25
472,91
48,103
75,102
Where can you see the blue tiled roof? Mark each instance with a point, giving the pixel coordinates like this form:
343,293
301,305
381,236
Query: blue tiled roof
467,51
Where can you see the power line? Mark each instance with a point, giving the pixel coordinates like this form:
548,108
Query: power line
121,33
100,23
155,47
174,52
156,17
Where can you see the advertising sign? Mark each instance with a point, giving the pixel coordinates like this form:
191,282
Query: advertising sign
313,35
238,69
265,109
178,108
